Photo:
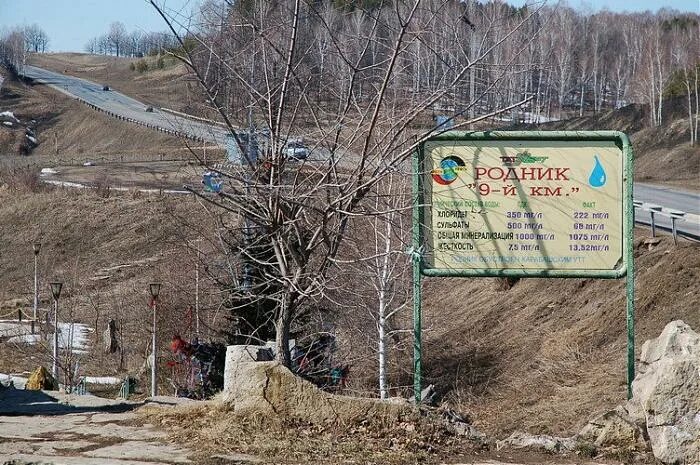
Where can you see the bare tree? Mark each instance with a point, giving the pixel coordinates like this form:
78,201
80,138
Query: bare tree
36,39
117,37
289,219
13,50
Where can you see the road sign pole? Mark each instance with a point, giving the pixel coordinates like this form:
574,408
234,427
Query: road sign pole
629,250
416,261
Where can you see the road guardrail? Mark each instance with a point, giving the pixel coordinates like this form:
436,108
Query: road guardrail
674,215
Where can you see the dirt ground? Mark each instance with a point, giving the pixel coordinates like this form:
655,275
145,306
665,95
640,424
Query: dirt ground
142,175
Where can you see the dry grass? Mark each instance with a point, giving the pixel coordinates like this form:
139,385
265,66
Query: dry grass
70,131
213,429
106,249
549,354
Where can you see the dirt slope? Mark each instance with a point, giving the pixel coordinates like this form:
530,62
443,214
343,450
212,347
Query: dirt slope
105,250
548,354
663,155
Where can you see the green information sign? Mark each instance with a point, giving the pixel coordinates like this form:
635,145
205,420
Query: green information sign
524,204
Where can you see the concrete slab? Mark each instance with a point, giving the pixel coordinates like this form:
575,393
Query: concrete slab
116,431
112,417
57,460
139,450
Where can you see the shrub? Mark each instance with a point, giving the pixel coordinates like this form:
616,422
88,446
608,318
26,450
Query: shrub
141,66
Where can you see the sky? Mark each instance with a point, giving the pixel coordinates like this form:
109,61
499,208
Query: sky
70,24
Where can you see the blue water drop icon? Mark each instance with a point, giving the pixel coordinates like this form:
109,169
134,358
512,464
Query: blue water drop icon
598,176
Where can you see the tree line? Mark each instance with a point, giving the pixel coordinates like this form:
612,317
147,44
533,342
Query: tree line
118,41
569,61
17,42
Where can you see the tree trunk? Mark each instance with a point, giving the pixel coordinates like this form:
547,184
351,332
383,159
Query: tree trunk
282,327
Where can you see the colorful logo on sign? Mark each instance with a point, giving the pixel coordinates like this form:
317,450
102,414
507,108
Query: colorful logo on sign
448,171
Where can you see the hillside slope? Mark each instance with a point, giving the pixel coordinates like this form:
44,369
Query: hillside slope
663,155
74,130
549,354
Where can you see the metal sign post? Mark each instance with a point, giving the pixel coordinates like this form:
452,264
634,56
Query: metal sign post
523,204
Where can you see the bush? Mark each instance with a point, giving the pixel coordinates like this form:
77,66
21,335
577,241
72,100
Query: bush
21,179
141,66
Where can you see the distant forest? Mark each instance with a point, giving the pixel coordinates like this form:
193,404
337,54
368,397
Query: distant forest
567,61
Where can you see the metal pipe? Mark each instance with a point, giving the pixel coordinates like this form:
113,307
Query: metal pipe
54,365
154,384
36,285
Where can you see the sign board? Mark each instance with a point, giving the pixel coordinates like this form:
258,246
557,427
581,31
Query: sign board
525,204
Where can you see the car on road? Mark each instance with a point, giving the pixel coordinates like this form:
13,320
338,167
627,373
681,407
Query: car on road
296,149
105,87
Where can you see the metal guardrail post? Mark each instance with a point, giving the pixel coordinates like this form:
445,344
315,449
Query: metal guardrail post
675,215
652,210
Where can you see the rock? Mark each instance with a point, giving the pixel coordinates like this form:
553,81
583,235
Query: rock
668,392
676,340
270,389
664,412
616,428
237,354
520,440
40,379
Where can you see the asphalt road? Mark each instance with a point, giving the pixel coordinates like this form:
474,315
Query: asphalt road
670,199
129,108
124,106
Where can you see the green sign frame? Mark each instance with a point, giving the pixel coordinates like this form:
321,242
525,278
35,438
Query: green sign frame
625,268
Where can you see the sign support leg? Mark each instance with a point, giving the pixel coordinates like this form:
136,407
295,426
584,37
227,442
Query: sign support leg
629,251
417,349
416,262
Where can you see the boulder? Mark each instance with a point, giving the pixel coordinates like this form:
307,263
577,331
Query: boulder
270,389
664,412
668,392
618,428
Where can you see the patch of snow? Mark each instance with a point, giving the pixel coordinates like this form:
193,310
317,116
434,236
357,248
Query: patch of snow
13,328
73,336
9,114
18,381
30,339
7,123
89,163
102,380
32,139
66,184
45,171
